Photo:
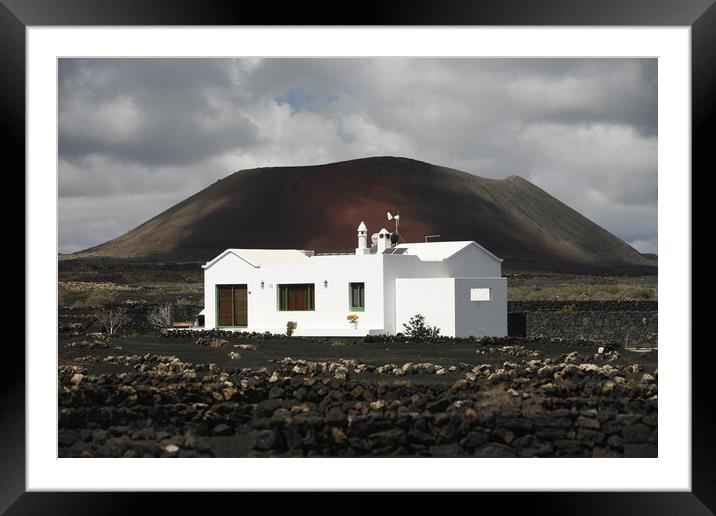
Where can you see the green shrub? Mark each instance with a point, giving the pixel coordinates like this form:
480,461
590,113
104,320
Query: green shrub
417,328
290,326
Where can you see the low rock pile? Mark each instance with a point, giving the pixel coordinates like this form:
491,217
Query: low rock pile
212,342
73,328
221,334
569,406
488,344
88,344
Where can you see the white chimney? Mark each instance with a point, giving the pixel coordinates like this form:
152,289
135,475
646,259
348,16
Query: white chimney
383,240
362,239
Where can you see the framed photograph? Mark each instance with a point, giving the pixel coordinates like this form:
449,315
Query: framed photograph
412,249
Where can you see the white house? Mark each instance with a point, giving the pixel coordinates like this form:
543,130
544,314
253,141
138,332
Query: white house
457,286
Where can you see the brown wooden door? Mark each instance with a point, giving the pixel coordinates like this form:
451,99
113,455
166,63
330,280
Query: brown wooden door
232,309
225,310
241,309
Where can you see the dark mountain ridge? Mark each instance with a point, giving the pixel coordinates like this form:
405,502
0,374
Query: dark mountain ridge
319,207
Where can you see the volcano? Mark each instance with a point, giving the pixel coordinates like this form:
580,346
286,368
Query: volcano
319,207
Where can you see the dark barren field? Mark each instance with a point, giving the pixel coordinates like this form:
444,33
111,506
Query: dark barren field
143,394
155,396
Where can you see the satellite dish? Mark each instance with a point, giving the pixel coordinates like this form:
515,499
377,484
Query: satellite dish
374,238
390,217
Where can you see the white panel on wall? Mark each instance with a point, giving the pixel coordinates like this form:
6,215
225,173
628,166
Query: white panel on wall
479,294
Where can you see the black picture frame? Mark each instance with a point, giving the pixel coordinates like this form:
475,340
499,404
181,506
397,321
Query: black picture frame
700,15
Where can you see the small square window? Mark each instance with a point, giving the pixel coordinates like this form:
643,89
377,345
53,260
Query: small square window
480,294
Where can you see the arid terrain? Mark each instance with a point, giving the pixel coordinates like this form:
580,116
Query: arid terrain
229,395
150,393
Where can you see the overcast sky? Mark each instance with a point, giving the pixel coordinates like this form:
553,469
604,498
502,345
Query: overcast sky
139,135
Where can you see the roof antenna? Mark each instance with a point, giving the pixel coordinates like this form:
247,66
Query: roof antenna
431,236
396,218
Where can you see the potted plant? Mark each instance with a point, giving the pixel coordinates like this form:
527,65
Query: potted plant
353,320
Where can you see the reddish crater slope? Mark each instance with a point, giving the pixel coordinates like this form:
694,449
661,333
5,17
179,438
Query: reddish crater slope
319,207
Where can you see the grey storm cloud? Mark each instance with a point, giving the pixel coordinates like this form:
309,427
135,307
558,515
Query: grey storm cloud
145,133
148,111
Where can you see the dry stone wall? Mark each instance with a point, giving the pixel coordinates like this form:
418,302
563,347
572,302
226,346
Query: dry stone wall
621,323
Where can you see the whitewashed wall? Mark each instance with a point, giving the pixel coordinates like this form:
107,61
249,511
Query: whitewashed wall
229,270
470,262
480,318
332,303
473,262
396,267
434,298
446,303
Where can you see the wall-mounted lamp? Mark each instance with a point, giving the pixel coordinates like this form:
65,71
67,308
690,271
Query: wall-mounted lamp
262,285
325,283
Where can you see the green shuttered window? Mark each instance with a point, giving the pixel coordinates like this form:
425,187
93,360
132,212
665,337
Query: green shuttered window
296,297
357,296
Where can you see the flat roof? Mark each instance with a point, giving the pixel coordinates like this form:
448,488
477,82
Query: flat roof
424,251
